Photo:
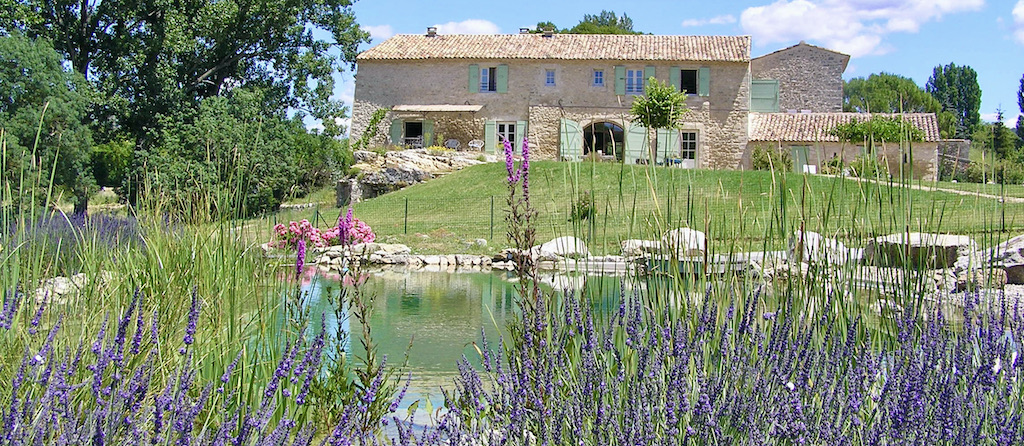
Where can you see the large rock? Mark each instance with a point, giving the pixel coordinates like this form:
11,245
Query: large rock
637,248
570,247
1010,256
919,250
683,242
813,248
365,157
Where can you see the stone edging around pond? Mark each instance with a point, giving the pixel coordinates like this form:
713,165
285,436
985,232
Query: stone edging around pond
951,262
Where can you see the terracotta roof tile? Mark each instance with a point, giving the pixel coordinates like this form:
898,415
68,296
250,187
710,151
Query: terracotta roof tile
562,46
815,127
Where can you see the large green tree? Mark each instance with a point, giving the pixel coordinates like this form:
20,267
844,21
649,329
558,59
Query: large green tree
155,56
604,23
1004,141
887,93
957,90
42,111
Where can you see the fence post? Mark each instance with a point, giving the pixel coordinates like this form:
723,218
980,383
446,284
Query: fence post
405,229
492,219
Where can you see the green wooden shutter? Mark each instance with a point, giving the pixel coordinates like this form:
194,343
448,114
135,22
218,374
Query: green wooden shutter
636,144
474,78
620,79
649,72
428,133
673,78
704,81
668,145
570,140
502,78
490,136
520,133
764,95
396,132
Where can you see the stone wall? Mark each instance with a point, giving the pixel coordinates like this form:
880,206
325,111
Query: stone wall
810,78
954,156
924,166
383,84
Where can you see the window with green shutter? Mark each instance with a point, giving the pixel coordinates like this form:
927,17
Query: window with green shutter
704,81
620,80
764,95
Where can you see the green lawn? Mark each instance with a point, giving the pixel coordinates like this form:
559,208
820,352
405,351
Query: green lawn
737,209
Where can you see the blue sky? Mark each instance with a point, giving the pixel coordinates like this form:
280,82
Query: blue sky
906,37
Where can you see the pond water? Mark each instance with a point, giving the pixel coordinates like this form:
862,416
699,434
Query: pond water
442,315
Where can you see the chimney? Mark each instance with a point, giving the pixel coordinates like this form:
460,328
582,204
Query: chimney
548,32
431,31
524,30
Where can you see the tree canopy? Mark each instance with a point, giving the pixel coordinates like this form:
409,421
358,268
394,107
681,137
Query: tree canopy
43,110
887,93
152,57
605,22
878,129
957,90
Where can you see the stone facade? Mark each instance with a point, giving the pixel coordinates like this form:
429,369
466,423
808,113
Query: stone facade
430,80
719,117
810,78
922,165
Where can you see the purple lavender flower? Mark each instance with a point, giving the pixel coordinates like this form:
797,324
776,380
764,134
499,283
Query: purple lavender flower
193,317
300,258
39,314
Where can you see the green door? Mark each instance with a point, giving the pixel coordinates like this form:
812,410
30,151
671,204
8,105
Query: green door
636,145
800,158
570,140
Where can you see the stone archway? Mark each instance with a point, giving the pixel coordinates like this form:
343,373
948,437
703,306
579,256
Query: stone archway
605,137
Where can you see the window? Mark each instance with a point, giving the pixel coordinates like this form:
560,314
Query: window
634,81
598,78
688,81
549,78
488,79
507,132
688,145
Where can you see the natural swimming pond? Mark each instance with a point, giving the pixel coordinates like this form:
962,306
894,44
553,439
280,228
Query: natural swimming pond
439,317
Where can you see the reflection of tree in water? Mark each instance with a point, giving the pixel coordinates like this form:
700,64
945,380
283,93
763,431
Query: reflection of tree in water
605,137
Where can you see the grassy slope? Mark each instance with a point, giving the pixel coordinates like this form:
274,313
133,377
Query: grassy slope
742,207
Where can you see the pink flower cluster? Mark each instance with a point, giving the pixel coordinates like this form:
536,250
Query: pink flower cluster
289,236
348,231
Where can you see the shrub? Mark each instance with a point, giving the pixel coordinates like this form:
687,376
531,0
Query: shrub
583,207
1009,172
766,157
834,166
867,166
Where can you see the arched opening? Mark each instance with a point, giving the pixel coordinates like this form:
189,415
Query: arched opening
606,138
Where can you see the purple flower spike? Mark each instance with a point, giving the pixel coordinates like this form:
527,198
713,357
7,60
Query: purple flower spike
193,317
300,259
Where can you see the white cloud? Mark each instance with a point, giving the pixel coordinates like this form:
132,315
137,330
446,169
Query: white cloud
379,32
1018,21
716,20
471,26
855,27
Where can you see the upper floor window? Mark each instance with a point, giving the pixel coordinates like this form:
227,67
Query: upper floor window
598,78
549,78
688,81
634,81
488,79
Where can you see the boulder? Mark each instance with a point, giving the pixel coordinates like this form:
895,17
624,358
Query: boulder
918,250
365,157
683,242
569,246
813,248
1010,256
637,248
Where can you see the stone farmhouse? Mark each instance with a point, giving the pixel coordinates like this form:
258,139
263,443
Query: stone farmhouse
570,95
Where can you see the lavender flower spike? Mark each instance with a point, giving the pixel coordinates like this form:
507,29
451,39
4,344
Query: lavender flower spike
193,316
300,258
